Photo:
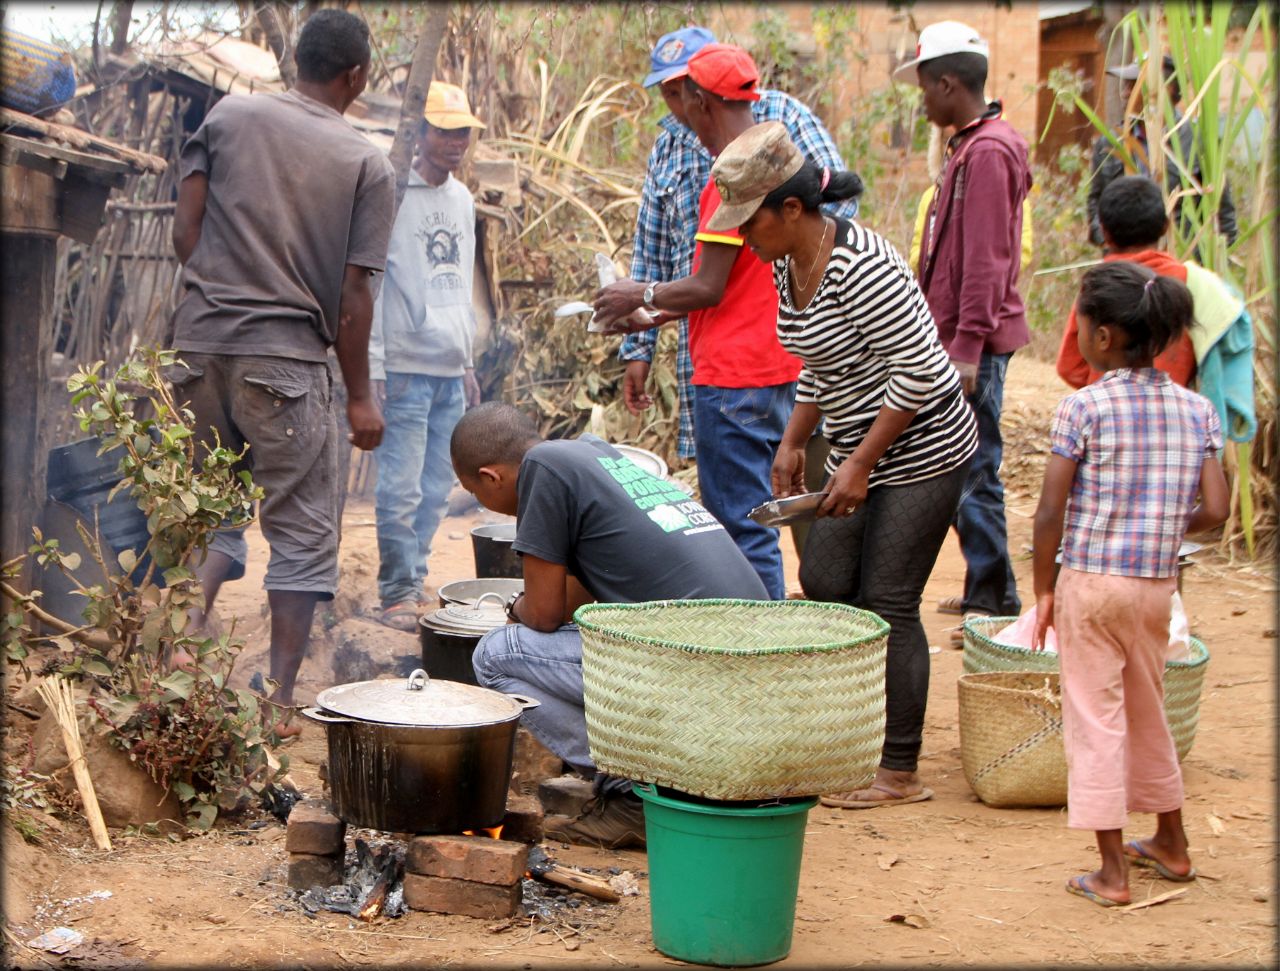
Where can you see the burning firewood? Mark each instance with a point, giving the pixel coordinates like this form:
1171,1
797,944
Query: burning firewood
542,867
387,864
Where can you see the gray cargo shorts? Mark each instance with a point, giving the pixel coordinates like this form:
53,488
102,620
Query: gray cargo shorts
280,408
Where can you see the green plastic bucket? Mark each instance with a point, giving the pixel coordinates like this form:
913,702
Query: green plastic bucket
723,879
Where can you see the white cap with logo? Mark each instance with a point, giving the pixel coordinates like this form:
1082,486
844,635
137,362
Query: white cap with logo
938,40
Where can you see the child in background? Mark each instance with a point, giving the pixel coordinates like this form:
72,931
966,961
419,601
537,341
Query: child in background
1130,453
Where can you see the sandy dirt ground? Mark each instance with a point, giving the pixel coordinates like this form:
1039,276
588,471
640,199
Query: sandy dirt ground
985,885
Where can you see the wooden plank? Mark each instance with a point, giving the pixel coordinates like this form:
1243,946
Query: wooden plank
81,139
81,208
108,170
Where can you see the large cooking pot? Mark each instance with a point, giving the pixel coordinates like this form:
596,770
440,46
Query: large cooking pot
447,654
417,755
493,551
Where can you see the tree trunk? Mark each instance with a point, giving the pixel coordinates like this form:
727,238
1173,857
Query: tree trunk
415,92
121,16
1117,52
268,17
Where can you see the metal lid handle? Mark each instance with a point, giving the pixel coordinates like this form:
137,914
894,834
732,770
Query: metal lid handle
418,680
486,595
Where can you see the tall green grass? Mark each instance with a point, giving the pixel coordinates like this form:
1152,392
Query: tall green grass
1227,101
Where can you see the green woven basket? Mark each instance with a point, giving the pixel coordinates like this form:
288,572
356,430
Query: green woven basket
1182,679
735,699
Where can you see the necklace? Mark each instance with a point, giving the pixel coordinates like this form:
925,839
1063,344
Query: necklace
805,284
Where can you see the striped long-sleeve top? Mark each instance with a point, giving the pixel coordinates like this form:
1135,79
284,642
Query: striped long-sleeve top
867,340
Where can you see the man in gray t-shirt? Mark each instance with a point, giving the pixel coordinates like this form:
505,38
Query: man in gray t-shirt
284,212
590,526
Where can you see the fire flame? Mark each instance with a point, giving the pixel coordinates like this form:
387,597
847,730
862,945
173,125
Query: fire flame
494,832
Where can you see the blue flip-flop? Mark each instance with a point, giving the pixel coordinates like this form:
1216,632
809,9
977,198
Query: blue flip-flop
1076,885
1139,857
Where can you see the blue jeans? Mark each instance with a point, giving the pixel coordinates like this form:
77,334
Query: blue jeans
415,475
519,660
989,586
737,432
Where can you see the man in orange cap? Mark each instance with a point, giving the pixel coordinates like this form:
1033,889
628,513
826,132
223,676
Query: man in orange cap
420,351
744,382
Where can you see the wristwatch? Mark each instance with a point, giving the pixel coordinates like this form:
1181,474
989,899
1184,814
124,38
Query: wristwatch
511,607
648,297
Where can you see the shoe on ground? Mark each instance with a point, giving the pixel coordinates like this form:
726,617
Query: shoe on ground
609,822
951,605
957,635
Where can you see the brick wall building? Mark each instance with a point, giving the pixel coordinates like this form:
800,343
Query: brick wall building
886,37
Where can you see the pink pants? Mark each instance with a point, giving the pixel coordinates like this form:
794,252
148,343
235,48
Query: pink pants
1113,640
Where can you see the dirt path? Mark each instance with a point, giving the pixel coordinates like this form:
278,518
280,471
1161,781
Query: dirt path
987,882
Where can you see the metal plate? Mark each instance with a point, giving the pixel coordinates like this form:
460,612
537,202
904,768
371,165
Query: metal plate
651,463
436,704
793,509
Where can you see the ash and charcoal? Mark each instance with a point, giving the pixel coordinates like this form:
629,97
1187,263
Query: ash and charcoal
555,904
370,872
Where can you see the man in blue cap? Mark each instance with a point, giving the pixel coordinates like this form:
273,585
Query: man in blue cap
679,168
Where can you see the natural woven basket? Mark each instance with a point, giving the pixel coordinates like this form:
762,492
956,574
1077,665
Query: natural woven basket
1182,679
735,699
1011,743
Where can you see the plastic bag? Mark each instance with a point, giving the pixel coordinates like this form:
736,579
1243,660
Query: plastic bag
1022,632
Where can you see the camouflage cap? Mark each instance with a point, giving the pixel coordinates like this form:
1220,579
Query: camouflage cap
751,166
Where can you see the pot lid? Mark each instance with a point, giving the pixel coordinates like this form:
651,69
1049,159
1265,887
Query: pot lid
418,700
489,610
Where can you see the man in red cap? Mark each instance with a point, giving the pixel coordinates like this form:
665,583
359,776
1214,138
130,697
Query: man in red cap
744,382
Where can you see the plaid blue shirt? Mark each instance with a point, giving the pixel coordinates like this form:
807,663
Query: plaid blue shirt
679,168
1139,442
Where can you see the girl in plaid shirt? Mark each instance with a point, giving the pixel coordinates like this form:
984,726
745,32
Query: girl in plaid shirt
1129,455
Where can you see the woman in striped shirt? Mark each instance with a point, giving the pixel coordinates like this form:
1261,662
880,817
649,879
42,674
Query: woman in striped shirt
901,432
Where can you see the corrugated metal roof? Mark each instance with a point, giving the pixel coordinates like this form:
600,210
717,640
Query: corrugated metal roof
235,66
1061,8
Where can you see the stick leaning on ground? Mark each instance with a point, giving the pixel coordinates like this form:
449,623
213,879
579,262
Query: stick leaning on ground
61,700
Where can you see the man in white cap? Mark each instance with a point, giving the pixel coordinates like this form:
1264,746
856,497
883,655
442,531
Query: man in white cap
420,352
968,269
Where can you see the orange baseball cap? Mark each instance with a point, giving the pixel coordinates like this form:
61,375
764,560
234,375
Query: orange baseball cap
725,70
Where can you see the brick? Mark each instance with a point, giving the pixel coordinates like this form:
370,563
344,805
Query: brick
314,870
445,896
474,858
523,821
565,796
314,828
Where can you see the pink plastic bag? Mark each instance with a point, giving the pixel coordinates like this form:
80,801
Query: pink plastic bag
1022,633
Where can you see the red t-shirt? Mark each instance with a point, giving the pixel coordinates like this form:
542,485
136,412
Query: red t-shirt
1178,360
735,343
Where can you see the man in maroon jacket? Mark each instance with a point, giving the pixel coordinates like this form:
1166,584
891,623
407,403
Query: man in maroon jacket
969,260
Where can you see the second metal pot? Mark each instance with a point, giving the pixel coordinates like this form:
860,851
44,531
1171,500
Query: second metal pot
447,654
494,554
